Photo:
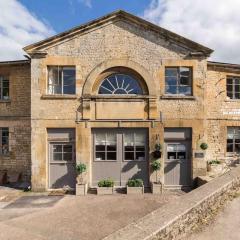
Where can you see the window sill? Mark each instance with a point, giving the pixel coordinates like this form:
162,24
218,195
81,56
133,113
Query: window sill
177,97
232,100
59,96
5,101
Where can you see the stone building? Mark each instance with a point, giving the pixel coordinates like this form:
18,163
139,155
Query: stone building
105,93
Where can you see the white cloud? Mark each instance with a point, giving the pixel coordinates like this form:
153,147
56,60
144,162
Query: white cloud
18,28
214,23
88,3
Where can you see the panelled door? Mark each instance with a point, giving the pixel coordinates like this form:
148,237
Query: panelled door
120,154
62,163
177,169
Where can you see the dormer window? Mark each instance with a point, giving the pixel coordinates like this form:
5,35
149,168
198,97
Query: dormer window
61,80
119,84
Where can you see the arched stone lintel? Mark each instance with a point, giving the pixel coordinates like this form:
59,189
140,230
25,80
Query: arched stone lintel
91,78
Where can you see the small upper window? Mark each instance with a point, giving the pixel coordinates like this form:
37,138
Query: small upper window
233,87
61,80
178,81
4,140
4,88
120,84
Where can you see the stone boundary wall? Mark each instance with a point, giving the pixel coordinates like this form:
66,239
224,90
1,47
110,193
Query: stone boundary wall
181,217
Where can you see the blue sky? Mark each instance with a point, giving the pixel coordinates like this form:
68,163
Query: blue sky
214,24
65,14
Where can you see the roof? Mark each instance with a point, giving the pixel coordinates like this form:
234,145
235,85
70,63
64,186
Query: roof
15,62
223,65
115,16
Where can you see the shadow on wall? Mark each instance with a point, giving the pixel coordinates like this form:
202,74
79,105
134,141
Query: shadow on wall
136,170
62,175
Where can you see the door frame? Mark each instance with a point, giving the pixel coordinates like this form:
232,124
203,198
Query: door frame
188,144
120,131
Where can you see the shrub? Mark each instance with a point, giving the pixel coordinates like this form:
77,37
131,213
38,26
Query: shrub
158,147
135,183
81,168
106,183
203,146
214,162
156,165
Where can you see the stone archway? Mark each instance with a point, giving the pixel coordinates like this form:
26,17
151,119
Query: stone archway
88,88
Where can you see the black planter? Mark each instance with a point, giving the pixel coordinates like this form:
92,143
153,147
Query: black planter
157,154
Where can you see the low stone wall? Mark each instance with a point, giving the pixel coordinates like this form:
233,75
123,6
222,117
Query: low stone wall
190,211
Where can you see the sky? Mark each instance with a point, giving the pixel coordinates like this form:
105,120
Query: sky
213,23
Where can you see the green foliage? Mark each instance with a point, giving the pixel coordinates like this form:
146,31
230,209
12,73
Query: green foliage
156,165
203,146
106,183
158,147
135,183
214,162
81,168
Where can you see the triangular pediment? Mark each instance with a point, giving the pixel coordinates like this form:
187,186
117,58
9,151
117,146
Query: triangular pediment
120,15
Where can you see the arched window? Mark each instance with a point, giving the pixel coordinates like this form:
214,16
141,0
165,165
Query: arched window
120,83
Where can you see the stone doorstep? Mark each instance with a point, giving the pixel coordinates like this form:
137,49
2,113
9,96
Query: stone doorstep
161,220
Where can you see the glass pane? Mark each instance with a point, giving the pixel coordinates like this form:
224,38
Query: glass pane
57,156
111,148
100,147
237,88
185,81
140,156
237,148
129,155
237,133
171,86
129,139
67,156
171,147
54,80
171,72
100,139
185,71
67,148
181,147
229,88
57,148
230,95
229,81
69,79
185,90
111,156
229,147
181,155
230,132
237,95
237,81
100,156
5,93
140,148
129,148
230,141
172,155
120,84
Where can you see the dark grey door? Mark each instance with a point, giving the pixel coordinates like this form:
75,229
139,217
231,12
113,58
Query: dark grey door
177,169
120,154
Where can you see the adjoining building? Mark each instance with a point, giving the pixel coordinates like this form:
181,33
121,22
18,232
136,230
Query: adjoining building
105,93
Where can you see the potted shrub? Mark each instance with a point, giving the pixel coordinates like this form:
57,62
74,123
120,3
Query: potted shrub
105,186
157,185
157,151
215,166
81,185
204,146
135,186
